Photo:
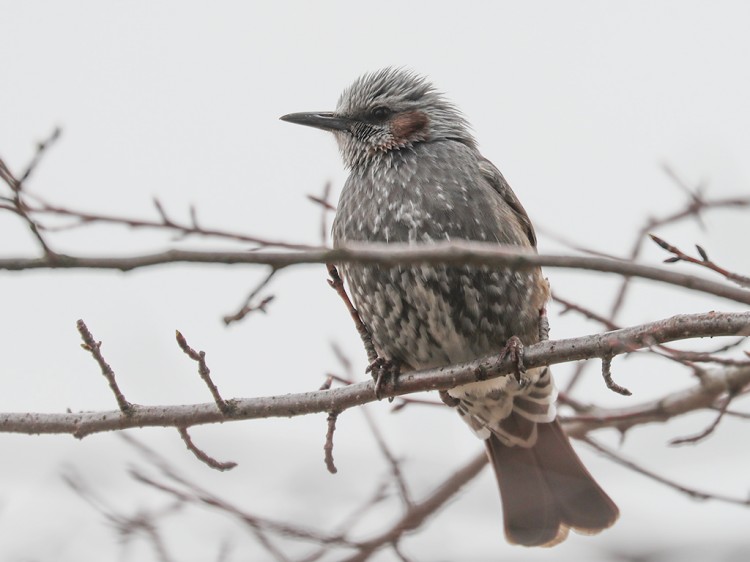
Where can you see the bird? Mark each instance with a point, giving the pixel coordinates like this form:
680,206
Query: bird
416,176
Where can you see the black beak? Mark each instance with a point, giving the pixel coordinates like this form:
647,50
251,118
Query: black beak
323,120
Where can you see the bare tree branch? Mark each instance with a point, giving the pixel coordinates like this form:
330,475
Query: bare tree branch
715,384
450,253
680,327
714,389
693,493
144,522
164,222
202,455
679,255
95,349
609,381
247,306
185,490
694,207
328,447
416,514
226,407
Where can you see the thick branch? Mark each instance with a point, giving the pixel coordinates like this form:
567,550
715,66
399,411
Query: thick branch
338,399
453,253
712,386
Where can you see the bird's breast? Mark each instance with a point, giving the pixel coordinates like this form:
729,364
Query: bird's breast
431,315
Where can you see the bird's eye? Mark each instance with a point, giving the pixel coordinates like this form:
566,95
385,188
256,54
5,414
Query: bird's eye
380,113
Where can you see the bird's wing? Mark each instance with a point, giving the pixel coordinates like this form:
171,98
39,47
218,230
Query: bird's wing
498,183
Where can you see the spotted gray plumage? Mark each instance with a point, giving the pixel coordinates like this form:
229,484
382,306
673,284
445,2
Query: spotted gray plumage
416,176
424,317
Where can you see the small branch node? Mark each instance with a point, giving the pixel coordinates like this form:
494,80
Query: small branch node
327,383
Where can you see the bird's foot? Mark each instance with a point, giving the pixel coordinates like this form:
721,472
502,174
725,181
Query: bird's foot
383,371
513,350
543,325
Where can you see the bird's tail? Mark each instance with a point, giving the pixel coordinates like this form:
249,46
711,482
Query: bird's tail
546,490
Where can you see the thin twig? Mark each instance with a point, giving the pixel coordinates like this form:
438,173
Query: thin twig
403,402
94,347
695,205
337,284
193,493
41,149
711,428
18,200
326,208
393,462
608,380
693,493
679,255
127,526
82,218
202,455
19,207
331,428
328,446
199,357
247,307
421,510
197,495
569,306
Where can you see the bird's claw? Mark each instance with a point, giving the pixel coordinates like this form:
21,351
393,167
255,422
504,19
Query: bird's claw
513,350
383,371
543,325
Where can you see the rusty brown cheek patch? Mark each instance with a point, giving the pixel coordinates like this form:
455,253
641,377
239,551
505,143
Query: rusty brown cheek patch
409,126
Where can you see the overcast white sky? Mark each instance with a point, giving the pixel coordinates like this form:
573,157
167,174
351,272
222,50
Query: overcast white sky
578,103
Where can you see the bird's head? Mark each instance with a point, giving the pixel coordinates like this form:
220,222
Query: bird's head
392,109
